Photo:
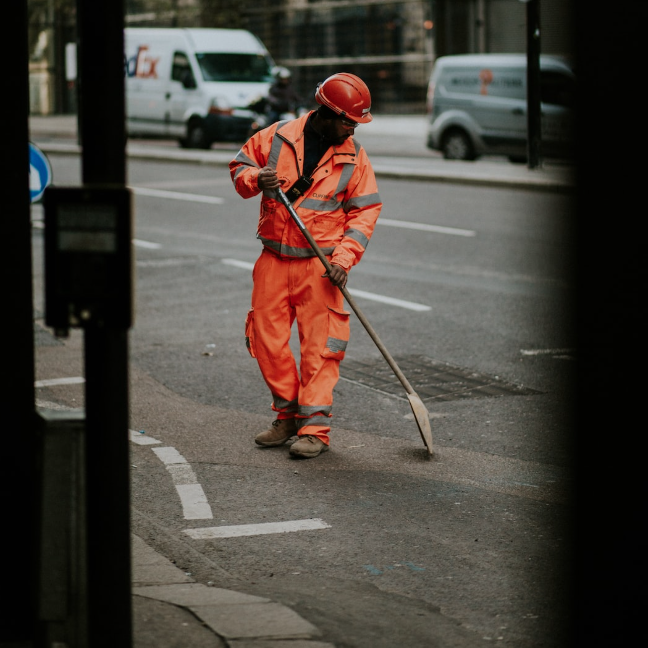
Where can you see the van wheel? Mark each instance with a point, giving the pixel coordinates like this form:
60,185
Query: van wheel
457,146
196,137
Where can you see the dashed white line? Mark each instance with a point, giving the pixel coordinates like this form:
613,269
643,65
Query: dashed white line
52,382
245,265
196,507
257,529
192,496
142,439
383,299
424,227
148,245
177,195
389,300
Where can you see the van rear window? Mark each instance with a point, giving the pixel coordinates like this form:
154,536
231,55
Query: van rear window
234,67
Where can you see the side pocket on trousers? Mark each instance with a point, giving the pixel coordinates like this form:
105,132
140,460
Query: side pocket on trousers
249,333
338,334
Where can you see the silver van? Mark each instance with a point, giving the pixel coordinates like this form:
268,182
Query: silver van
477,105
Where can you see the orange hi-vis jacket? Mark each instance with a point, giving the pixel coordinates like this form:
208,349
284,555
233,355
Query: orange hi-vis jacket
340,208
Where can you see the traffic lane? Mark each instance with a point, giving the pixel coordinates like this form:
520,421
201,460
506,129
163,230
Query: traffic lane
459,532
468,326
483,323
183,423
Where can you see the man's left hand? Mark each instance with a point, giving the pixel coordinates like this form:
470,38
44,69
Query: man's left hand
337,276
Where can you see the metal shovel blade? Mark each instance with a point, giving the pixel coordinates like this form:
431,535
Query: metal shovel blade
422,420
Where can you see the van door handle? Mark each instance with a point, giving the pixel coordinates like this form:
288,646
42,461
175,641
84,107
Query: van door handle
518,111
167,95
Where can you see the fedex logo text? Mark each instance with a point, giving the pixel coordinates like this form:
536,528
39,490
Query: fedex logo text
142,65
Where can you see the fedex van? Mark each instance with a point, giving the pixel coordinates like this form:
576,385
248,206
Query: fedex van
193,84
477,105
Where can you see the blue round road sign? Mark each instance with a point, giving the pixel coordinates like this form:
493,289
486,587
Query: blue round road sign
40,173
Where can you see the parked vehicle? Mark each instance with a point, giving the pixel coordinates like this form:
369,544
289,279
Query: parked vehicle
477,105
193,84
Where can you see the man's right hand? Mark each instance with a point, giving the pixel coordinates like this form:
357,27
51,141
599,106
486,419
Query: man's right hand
267,179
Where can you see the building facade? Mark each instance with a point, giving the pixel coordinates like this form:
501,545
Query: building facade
391,44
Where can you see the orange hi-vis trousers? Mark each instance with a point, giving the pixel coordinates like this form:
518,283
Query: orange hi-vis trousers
286,289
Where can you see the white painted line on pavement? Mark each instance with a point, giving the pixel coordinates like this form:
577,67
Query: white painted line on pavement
52,382
146,244
537,352
238,264
192,496
357,293
390,300
196,507
141,438
257,529
177,195
169,455
194,502
424,227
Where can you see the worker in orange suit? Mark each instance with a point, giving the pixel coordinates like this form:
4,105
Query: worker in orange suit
327,176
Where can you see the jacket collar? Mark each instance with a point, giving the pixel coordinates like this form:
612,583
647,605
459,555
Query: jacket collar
293,131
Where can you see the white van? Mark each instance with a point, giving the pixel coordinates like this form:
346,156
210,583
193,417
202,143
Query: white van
193,84
477,105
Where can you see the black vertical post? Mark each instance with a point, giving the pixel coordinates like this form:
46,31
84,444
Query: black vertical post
533,84
103,140
18,474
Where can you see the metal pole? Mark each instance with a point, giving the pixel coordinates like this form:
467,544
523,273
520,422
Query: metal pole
18,476
533,84
103,141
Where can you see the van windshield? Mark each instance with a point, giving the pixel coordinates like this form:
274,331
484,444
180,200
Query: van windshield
234,67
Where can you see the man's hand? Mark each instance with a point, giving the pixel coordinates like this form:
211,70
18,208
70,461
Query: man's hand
337,276
267,179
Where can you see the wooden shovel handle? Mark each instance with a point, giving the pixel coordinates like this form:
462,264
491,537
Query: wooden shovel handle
325,262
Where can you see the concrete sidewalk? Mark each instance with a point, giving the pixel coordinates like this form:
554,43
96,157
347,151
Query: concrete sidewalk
171,609
485,171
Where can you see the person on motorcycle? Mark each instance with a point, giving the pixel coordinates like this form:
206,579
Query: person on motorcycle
282,97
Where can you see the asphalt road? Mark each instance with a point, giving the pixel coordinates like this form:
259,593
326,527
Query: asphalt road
465,549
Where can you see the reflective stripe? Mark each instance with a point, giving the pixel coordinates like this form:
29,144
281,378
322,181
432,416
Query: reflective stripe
358,236
358,202
320,421
336,345
345,176
320,205
309,410
284,405
244,159
286,250
275,149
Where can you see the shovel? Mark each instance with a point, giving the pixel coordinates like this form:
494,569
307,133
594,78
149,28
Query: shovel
419,410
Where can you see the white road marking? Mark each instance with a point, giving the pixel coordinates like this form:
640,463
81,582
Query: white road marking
256,529
169,455
194,502
192,496
424,227
389,300
142,439
146,244
52,382
215,200
177,195
537,352
357,293
196,507
238,264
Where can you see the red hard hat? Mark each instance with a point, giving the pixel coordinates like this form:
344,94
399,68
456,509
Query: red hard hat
347,95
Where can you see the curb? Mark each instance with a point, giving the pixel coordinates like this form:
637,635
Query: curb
247,621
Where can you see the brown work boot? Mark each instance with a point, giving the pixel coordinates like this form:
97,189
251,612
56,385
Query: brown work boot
278,434
308,446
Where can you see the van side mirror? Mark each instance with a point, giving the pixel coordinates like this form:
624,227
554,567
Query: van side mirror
187,80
